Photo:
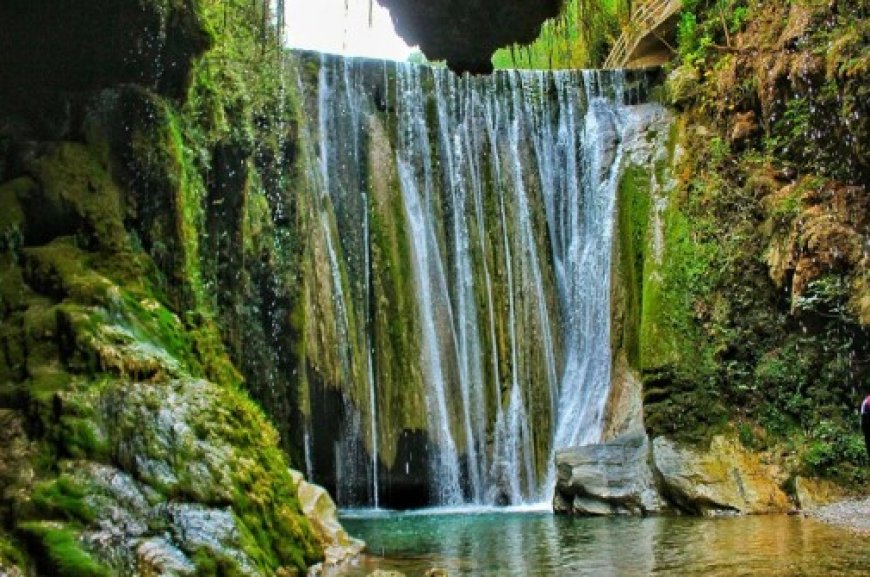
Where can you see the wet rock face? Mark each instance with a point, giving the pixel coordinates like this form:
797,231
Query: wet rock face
127,518
69,45
465,34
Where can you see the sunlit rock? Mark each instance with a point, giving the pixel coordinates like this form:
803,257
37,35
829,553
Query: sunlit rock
683,84
723,478
812,493
321,511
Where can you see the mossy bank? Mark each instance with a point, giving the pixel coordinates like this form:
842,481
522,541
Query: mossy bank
137,179
752,309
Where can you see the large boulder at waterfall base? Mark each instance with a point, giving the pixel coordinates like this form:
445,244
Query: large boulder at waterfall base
722,479
606,479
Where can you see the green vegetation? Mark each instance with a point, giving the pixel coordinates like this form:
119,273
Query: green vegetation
634,203
756,319
11,553
706,28
61,551
63,498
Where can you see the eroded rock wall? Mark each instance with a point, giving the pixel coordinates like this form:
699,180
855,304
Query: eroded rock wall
740,306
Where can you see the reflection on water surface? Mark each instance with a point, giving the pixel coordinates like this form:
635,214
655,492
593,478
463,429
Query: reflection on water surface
535,543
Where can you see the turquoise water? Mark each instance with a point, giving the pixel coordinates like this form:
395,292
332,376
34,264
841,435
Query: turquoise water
538,543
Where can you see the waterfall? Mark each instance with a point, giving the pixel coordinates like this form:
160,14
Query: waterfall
482,210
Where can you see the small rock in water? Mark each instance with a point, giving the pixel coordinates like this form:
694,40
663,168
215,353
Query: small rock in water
384,573
436,572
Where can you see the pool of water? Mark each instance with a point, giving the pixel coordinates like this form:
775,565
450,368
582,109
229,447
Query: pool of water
497,543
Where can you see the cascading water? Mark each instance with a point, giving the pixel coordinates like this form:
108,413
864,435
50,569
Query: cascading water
488,203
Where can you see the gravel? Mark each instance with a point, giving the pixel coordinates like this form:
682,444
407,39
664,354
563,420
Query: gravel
852,514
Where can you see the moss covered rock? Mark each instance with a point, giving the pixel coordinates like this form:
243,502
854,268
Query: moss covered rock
126,448
756,312
118,456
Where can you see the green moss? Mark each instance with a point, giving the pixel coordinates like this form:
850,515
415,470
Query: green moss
80,438
12,553
209,564
633,219
11,213
578,38
274,530
72,177
668,300
62,553
62,498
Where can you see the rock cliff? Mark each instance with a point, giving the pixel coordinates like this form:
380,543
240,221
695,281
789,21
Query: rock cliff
740,296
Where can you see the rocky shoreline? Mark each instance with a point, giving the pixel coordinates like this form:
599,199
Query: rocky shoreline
851,514
634,475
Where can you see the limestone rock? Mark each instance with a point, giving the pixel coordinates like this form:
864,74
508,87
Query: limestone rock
211,531
321,511
157,556
127,511
814,493
724,478
624,411
606,479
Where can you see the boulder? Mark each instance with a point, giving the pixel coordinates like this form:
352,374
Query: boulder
321,511
607,478
725,478
158,556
